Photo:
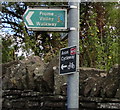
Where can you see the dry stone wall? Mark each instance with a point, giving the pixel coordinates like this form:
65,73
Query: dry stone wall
93,82
33,100
33,74
21,80
25,75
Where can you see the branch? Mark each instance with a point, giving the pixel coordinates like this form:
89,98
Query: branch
11,13
11,23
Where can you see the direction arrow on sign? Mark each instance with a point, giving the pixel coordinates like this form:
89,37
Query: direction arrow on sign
45,19
63,66
68,60
28,18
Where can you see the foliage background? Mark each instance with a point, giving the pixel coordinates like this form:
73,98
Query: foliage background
99,34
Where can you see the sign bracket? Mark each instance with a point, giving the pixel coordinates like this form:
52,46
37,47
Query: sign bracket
72,29
73,7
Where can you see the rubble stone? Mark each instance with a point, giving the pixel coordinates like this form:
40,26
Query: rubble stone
26,74
33,74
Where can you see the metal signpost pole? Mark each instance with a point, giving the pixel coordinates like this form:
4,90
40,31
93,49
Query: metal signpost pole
73,39
56,20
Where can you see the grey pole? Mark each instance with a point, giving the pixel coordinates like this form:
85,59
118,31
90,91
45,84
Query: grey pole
73,39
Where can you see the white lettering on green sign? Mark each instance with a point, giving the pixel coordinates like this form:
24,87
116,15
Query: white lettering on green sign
40,19
45,24
46,19
46,13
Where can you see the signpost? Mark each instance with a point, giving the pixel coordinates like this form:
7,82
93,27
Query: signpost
68,60
45,19
56,20
73,39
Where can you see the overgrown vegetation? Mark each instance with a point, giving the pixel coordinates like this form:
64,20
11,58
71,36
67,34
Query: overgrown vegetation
99,34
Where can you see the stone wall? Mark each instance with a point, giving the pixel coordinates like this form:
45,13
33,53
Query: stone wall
33,74
33,100
93,82
25,74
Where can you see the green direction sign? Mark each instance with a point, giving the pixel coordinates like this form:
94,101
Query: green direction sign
45,19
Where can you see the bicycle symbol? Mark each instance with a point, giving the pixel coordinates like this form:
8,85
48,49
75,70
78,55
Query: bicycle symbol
71,65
